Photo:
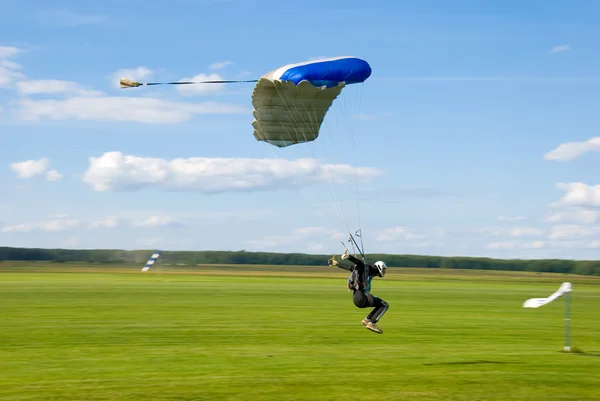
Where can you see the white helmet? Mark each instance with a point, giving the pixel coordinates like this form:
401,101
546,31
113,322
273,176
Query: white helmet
381,267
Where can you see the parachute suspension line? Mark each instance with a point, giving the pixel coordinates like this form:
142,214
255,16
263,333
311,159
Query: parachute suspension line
299,131
354,117
306,86
313,118
330,172
271,151
351,239
350,116
304,194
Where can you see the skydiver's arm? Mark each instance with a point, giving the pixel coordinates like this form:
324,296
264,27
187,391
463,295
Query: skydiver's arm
345,267
354,260
333,262
358,265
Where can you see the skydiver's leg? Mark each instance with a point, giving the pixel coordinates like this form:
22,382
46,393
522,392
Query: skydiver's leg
361,300
380,308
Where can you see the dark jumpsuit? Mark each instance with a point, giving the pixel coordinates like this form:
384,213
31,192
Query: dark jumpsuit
362,296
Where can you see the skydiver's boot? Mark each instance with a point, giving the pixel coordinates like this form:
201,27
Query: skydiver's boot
373,327
365,321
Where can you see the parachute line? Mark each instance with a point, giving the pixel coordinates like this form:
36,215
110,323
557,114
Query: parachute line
354,117
128,83
337,205
296,132
310,115
290,106
269,149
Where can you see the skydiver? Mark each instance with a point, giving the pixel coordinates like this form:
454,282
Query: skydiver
360,284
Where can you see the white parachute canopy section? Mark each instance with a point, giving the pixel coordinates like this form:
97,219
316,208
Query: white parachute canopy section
151,261
290,103
537,302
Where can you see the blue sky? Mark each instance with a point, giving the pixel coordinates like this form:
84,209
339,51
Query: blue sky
476,134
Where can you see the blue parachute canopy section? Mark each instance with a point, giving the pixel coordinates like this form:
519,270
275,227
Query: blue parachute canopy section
291,102
326,72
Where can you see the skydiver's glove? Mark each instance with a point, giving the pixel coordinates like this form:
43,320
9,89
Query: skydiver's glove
345,255
332,261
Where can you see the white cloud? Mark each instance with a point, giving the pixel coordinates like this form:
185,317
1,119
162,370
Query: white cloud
71,242
397,233
585,216
316,230
571,244
271,241
53,175
89,104
506,245
135,74
8,69
153,242
240,213
196,89
59,224
219,65
110,222
560,49
18,228
58,215
525,231
511,231
106,108
316,235
579,194
30,168
535,244
54,86
572,150
316,247
565,231
511,218
9,64
115,171
7,52
158,221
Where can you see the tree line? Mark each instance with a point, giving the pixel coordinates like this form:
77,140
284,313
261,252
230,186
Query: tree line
191,258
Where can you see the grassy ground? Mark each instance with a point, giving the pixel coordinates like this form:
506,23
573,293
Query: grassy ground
264,333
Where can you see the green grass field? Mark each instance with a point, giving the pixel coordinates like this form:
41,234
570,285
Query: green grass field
80,332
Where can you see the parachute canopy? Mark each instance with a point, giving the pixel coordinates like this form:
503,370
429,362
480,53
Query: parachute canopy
290,102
